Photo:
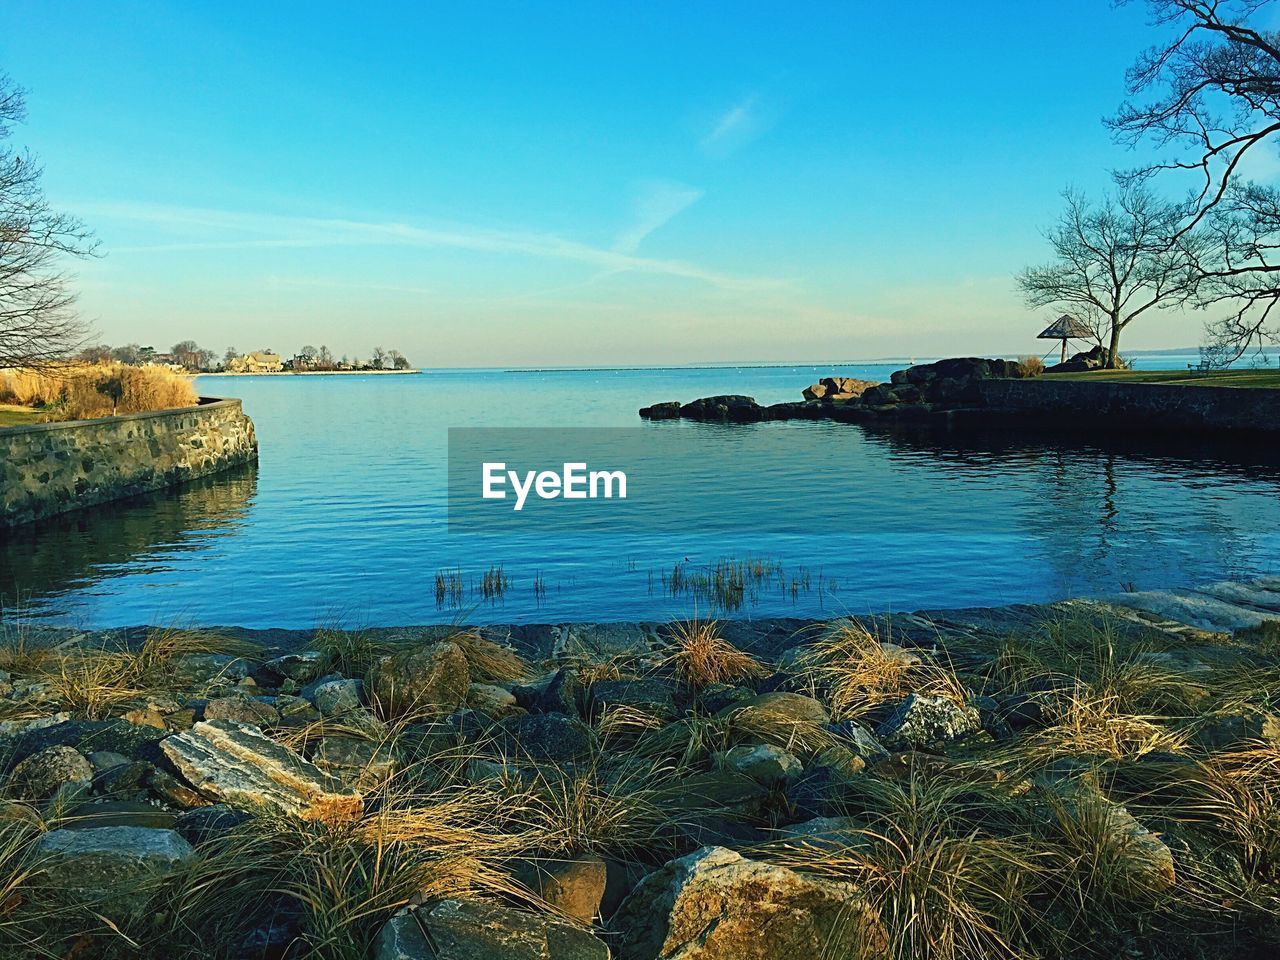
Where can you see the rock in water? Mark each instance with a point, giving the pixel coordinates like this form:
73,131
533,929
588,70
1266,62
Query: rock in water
715,904
471,930
235,763
114,868
427,681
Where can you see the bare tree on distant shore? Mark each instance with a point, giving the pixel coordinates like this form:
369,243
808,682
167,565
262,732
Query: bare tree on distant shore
1114,261
38,323
1214,87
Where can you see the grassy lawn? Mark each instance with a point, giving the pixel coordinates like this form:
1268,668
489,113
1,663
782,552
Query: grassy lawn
12,415
1218,378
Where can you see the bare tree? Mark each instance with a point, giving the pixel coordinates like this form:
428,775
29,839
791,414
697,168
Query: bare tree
1115,261
377,358
1214,87
130,353
96,353
398,360
38,323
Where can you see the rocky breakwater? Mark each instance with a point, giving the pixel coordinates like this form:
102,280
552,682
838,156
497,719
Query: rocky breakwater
450,794
920,391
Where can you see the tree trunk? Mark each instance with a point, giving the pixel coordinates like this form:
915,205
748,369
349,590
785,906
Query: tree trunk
1113,351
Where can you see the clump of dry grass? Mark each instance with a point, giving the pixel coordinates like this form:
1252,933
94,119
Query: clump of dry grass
858,671
943,889
93,682
85,391
701,657
1031,366
490,662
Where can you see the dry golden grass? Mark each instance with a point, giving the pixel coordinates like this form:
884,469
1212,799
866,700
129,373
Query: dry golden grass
700,656
95,682
85,391
1031,366
964,856
857,671
490,662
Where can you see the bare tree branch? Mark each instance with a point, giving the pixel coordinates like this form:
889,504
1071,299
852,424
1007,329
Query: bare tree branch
38,323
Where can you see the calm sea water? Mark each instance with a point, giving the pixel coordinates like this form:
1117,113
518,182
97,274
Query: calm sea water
344,520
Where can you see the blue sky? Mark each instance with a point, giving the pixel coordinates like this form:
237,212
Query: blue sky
551,183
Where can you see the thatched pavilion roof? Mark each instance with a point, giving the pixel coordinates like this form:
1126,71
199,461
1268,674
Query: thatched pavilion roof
1066,327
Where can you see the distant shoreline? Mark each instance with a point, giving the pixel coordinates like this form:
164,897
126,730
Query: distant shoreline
307,373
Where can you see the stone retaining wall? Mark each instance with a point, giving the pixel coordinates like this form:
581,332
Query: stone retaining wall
1135,406
53,468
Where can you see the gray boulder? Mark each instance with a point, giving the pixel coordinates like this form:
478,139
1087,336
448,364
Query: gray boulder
492,701
41,774
545,738
115,869
242,709
715,904
427,681
764,763
474,930
575,887
928,722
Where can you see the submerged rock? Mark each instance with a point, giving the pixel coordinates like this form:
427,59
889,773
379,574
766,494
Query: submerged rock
668,410
715,904
235,763
732,408
472,930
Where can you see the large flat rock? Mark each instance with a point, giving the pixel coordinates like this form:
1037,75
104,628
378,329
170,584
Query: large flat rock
236,763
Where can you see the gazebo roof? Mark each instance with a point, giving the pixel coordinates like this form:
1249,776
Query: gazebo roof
1066,327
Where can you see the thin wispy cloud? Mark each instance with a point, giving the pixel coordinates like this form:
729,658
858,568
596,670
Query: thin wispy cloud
657,203
740,123
230,230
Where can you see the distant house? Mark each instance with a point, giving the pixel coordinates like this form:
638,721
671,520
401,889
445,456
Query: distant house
259,361
166,360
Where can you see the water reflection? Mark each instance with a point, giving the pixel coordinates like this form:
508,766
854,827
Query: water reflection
1134,511
67,552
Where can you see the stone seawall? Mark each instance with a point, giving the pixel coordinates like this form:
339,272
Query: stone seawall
52,468
1135,406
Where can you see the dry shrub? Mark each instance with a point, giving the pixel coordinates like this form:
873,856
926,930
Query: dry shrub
701,657
84,391
942,889
1031,366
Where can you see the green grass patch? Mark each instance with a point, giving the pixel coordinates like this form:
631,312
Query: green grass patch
1250,379
13,415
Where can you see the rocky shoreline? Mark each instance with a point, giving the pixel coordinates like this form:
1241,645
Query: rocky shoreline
923,392
1005,394
747,789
